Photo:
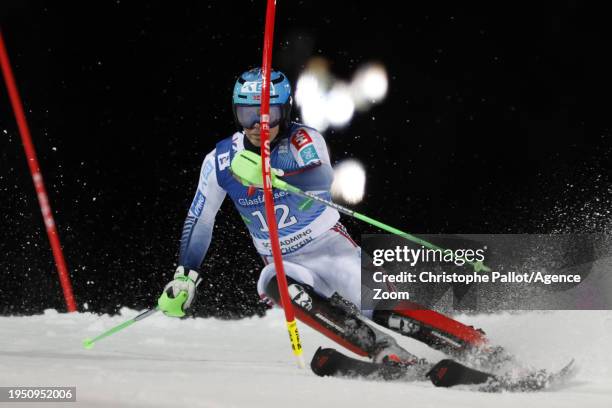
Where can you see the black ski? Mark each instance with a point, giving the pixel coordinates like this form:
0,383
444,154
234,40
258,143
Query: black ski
446,373
330,362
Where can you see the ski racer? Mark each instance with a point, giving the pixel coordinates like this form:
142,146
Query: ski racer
322,262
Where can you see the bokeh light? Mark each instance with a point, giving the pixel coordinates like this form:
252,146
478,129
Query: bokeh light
349,181
326,101
339,107
369,85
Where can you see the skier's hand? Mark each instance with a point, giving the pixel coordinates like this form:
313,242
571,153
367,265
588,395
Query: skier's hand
179,294
246,168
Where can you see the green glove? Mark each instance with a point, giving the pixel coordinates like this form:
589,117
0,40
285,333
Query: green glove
246,168
179,293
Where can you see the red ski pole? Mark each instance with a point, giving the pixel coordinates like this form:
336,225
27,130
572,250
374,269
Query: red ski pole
267,185
41,192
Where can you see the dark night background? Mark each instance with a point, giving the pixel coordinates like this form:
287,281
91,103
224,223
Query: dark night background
497,120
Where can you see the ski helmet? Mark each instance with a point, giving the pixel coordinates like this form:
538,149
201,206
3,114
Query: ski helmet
246,99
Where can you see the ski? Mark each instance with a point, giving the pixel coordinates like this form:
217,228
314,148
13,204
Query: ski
329,362
446,373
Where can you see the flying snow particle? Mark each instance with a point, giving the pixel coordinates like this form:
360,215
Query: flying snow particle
349,181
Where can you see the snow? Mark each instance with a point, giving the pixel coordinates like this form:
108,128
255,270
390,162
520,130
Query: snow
162,362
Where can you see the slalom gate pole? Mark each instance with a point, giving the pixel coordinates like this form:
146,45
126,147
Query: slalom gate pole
43,200
267,186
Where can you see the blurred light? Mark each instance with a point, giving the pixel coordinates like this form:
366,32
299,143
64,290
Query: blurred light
339,105
349,181
313,115
326,101
310,96
369,85
307,89
374,82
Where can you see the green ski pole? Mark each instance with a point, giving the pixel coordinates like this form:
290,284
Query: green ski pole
245,167
88,343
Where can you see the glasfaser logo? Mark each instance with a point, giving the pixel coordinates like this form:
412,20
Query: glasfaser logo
254,87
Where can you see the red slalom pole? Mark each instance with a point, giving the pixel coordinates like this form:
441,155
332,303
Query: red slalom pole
43,200
267,185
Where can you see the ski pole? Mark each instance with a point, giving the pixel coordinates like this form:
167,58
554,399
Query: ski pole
88,343
245,165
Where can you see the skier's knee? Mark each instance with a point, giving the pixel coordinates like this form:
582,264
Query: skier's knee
268,286
271,290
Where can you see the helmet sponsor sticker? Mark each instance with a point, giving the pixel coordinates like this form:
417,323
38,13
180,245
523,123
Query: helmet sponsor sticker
254,87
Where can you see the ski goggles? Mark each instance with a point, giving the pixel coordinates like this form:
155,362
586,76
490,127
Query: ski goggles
249,115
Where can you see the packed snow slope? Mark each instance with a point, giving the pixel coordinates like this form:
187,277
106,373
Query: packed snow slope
166,362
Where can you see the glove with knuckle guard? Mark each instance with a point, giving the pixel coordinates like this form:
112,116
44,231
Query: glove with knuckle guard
178,295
